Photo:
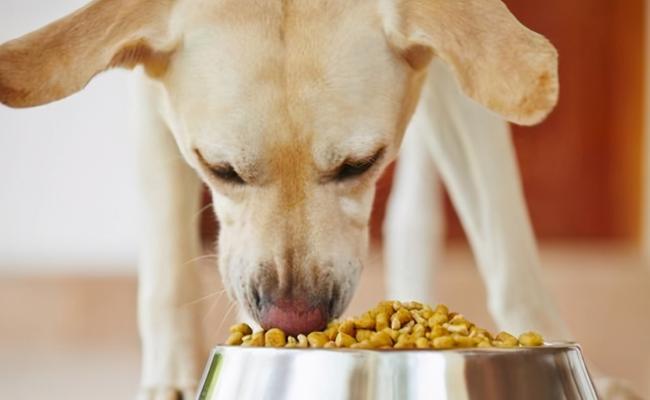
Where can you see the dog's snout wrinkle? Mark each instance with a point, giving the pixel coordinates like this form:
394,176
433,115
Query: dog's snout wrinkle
334,300
256,300
267,279
286,271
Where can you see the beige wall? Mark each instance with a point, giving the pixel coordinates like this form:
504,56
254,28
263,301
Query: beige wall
646,159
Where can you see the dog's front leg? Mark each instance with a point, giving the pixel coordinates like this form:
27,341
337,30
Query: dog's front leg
414,223
473,150
167,280
474,153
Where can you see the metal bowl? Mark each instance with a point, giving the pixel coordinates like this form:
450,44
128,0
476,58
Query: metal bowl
553,372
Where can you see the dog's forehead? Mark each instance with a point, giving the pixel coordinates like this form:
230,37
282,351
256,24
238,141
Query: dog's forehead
255,73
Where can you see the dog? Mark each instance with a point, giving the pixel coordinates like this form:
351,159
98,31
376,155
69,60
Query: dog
289,111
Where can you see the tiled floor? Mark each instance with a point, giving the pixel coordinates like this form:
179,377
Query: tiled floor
75,337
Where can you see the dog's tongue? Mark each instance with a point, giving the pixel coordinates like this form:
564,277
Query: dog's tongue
294,317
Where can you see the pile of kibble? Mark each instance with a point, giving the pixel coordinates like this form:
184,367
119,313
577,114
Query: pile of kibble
390,325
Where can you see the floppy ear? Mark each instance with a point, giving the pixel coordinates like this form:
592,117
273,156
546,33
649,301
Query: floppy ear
498,62
61,58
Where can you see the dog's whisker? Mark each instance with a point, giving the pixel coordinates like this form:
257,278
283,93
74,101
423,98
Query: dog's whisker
211,308
225,316
199,258
200,299
198,214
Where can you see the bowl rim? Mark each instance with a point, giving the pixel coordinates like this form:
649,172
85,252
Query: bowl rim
552,346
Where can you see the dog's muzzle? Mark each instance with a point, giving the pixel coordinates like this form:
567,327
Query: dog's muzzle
295,302
295,316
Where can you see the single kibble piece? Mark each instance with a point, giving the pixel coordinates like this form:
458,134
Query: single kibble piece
463,341
243,328
392,333
381,339
457,328
256,340
419,330
386,307
422,343
390,325
235,339
331,332
405,338
317,339
275,338
437,319
363,334
443,342
291,342
302,341
504,339
394,323
438,331
365,322
531,339
347,327
344,340
442,309
381,321
480,333
403,315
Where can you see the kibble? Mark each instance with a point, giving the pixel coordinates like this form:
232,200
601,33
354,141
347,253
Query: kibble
381,339
422,343
443,342
504,339
363,334
275,338
531,339
244,329
347,327
302,341
344,340
234,339
390,325
254,340
317,339
381,321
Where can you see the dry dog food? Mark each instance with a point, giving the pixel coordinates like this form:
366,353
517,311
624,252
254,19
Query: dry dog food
390,325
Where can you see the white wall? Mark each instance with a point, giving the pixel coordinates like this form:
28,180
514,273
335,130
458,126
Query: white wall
67,182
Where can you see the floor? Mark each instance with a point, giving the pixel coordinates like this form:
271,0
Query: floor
75,337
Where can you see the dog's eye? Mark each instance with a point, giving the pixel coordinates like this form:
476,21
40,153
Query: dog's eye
352,169
227,173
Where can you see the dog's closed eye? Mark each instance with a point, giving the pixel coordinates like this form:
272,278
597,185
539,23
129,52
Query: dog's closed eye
224,172
351,169
227,173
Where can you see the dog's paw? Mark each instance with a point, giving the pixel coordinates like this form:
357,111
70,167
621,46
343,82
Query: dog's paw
614,389
166,394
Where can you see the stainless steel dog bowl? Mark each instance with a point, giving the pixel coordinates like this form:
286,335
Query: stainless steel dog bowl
553,372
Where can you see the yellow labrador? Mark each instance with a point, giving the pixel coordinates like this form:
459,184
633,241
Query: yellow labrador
289,110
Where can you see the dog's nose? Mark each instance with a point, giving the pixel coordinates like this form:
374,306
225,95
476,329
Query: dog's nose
294,316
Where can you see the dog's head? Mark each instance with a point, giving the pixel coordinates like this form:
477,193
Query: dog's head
289,111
